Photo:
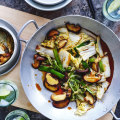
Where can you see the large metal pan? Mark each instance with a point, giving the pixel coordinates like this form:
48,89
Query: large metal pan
40,99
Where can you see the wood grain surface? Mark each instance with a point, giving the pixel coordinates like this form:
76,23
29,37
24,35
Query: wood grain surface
17,19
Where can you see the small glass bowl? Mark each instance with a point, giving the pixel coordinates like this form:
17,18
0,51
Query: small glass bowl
5,101
105,11
17,114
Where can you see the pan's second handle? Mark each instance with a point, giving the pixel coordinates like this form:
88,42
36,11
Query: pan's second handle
24,26
113,114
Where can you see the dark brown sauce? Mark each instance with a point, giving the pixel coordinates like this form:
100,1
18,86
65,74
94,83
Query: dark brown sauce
49,101
38,87
111,62
69,108
35,74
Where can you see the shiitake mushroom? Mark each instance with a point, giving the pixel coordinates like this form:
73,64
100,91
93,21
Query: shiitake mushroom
58,97
92,78
73,28
89,98
95,67
60,100
52,33
82,71
61,104
50,87
36,64
62,43
37,61
51,83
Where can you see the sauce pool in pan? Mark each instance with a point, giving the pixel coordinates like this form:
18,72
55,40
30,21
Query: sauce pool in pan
111,61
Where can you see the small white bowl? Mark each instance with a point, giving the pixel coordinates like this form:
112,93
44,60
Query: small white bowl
48,7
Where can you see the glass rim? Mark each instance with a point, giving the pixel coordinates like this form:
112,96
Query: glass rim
107,10
20,113
106,14
11,102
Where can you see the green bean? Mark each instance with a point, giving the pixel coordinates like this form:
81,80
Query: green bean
101,66
83,44
50,70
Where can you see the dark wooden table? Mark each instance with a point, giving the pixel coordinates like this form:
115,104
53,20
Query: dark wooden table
76,7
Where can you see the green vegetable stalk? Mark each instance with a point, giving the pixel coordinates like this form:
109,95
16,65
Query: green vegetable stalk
85,65
50,70
83,44
77,54
57,58
101,66
56,67
92,59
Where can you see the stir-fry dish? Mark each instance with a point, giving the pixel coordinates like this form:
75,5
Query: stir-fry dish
76,67
6,46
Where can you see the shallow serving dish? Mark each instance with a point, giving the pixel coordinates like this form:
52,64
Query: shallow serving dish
46,7
39,99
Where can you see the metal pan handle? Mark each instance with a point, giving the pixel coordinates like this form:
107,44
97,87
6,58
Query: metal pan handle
24,26
113,114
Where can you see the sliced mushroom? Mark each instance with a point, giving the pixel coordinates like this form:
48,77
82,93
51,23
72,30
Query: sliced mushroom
73,28
60,100
62,43
51,83
35,56
95,67
61,104
50,87
39,58
4,58
89,98
7,55
58,97
36,64
50,80
82,71
52,33
92,78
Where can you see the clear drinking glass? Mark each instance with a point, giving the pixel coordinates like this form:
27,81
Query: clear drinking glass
111,10
17,115
8,93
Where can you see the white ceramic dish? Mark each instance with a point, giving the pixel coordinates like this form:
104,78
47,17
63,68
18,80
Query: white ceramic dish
48,8
48,2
